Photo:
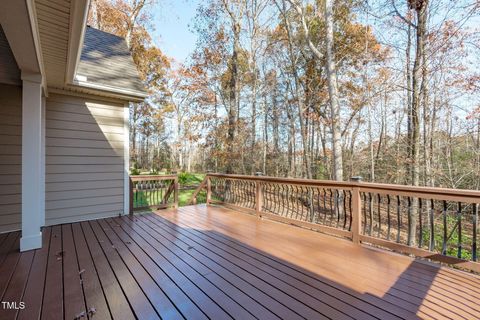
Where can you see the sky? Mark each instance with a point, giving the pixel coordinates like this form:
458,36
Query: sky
172,34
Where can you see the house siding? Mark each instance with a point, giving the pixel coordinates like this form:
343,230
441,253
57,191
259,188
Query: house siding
84,159
10,157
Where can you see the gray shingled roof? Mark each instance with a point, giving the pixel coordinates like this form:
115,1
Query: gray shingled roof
106,61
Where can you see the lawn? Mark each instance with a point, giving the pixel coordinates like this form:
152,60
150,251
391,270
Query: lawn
190,179
185,179
185,196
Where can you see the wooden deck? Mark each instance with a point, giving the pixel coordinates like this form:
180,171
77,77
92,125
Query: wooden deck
213,263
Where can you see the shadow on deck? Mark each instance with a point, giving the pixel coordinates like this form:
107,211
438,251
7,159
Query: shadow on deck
203,262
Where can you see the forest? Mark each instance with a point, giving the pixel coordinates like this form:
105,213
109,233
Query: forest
388,90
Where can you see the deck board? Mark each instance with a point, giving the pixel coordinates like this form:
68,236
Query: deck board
92,288
202,262
74,297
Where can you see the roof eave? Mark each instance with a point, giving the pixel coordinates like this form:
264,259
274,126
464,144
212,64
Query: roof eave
130,95
19,23
78,23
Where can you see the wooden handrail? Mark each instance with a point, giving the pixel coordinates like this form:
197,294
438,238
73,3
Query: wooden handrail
351,208
154,177
472,196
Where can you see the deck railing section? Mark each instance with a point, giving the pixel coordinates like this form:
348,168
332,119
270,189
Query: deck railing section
153,192
434,223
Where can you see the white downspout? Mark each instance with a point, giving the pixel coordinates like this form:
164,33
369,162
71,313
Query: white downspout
126,159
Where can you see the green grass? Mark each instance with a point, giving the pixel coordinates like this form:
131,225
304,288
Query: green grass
188,178
185,196
145,198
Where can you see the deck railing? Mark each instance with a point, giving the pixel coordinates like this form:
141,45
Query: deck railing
153,192
434,223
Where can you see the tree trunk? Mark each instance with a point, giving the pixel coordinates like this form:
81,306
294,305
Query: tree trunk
333,94
414,165
232,111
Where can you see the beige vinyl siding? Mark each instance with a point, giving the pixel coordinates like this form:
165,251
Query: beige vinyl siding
10,157
84,159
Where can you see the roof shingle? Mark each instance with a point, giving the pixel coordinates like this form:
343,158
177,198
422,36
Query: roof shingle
106,61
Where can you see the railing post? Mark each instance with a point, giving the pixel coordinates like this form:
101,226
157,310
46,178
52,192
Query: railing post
175,193
209,190
258,196
356,210
131,195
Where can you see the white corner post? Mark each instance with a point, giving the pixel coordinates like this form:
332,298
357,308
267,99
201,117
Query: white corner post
126,158
43,162
33,202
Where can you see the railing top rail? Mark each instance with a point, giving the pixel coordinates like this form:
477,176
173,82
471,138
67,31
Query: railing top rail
154,177
420,192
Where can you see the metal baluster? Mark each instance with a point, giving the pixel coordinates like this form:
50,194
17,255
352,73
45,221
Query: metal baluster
370,213
288,196
324,206
350,210
306,203
431,244
379,217
364,213
337,206
299,203
239,193
241,197
280,200
399,221
409,217
236,191
444,243
253,192
459,221
332,208
275,197
282,205
388,217
248,192
246,189
312,209
292,200
250,199
420,215
266,200
226,190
